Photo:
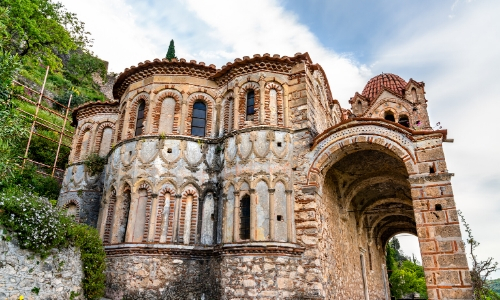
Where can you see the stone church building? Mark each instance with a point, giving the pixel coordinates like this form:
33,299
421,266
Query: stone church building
251,182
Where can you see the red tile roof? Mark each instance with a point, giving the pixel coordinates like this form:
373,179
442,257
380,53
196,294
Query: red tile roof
389,81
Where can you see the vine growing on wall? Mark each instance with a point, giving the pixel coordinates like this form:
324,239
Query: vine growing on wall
95,163
41,227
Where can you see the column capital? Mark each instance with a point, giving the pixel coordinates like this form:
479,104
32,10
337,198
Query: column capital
271,191
288,191
252,191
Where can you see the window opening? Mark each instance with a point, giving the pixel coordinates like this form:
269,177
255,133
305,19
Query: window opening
389,116
279,218
199,119
279,144
360,107
139,123
169,150
245,218
438,207
403,120
250,105
432,170
414,94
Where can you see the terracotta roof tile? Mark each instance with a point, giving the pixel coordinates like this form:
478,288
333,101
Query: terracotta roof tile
385,80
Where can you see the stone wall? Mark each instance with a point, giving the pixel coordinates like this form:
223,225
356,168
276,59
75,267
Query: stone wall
56,276
162,277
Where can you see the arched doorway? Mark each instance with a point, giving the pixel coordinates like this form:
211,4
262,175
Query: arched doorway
368,199
375,182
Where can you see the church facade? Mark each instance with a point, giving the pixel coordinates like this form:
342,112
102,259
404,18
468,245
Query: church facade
251,182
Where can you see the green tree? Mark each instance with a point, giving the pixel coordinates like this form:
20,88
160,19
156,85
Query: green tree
406,276
42,30
171,51
481,269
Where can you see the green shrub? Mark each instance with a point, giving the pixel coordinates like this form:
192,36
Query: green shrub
95,163
40,227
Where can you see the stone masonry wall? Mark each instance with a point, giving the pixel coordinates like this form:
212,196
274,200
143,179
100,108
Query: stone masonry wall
161,277
55,277
266,277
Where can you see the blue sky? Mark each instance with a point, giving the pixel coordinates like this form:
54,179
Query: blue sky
451,45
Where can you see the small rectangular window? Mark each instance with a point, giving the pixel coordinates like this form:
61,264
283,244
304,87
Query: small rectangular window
245,218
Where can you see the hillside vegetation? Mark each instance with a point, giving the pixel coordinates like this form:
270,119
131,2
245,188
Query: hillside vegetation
35,34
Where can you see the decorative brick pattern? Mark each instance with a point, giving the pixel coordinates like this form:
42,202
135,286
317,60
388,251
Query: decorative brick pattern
160,211
133,114
109,217
210,111
157,110
279,104
147,187
78,150
242,109
98,136
194,216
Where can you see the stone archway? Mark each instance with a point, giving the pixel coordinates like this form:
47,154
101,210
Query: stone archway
371,187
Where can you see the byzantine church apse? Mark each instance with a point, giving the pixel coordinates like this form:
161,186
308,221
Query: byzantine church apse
250,181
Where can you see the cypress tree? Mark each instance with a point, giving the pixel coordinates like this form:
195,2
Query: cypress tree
171,51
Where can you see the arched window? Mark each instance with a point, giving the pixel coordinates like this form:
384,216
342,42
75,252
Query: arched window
359,107
199,121
139,123
414,95
245,218
403,120
250,105
389,116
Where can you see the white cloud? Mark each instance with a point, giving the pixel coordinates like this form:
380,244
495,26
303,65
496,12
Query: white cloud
458,60
126,33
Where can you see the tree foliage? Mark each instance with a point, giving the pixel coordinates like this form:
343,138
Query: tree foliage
481,269
42,29
406,276
171,51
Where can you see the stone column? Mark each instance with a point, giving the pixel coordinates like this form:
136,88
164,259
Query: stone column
290,219
286,109
272,215
149,117
236,217
262,110
443,251
129,233
253,215
218,118
152,218
103,216
177,214
236,107
184,111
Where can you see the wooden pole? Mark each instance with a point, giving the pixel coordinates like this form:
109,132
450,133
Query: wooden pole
61,135
34,118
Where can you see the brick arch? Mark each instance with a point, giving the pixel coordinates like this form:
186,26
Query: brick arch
146,186
109,216
121,124
279,103
99,133
333,145
75,202
161,207
162,95
242,109
210,103
228,117
84,129
133,113
189,191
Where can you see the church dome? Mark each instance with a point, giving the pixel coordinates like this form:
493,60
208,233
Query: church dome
385,80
